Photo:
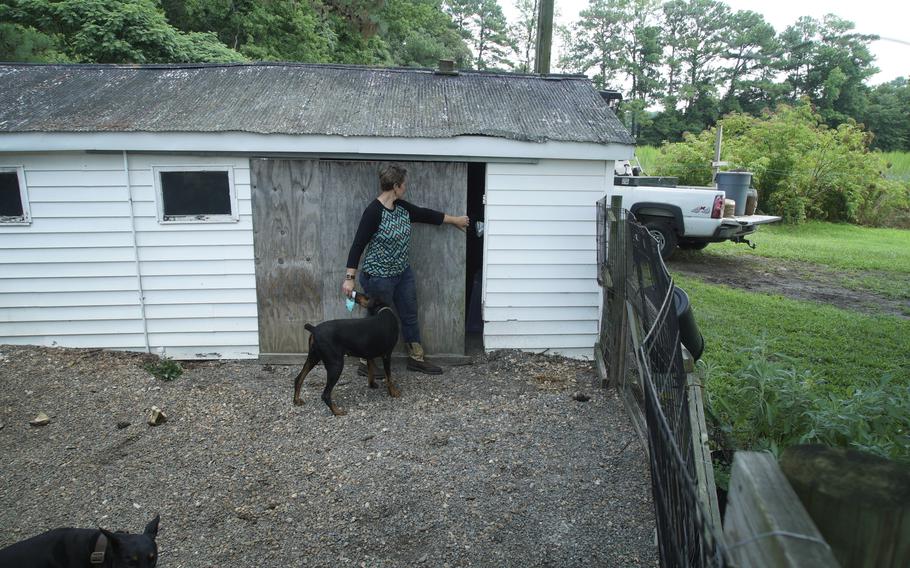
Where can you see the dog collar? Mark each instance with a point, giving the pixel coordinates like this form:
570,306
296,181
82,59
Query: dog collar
379,311
97,557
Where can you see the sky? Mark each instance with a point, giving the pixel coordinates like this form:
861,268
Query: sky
884,18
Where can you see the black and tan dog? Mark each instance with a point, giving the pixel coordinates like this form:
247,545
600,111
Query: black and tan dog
85,548
369,337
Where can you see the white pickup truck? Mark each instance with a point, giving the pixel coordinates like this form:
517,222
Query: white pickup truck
690,217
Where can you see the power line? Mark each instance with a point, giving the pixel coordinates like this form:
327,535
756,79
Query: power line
895,40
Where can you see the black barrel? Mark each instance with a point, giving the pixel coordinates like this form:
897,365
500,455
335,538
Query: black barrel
689,334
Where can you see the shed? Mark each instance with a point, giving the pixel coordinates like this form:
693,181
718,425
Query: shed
205,211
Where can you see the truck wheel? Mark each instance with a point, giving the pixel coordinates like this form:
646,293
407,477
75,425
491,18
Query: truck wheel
665,237
692,246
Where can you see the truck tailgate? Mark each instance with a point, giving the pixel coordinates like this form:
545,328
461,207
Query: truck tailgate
754,219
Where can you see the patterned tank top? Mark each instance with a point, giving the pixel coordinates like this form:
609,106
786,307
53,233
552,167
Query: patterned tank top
387,252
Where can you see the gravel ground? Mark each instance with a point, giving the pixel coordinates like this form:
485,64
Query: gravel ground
490,464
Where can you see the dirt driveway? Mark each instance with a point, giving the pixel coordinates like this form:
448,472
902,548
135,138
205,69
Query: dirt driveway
490,464
793,279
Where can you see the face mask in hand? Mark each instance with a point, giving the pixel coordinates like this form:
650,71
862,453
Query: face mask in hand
349,302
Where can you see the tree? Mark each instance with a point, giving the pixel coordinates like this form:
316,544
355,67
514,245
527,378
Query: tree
288,30
523,34
696,39
26,44
592,42
887,115
483,26
752,54
419,33
829,63
802,168
115,31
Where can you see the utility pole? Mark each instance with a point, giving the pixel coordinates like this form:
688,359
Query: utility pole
544,37
716,164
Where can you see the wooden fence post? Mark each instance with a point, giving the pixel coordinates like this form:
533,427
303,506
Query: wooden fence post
860,502
765,524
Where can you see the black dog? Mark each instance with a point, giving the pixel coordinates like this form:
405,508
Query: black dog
373,336
88,548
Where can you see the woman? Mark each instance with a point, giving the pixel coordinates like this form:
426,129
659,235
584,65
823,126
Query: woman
385,233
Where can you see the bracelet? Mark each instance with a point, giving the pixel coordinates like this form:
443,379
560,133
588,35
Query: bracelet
348,276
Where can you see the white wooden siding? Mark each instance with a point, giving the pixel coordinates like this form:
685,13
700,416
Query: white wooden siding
69,278
540,283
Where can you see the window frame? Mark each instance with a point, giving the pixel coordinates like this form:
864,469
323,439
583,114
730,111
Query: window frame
26,218
234,215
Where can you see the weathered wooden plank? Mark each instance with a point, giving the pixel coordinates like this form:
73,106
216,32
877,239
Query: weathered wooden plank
765,523
860,502
704,469
322,225
287,199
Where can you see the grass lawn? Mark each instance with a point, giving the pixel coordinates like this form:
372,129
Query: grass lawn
862,258
900,165
840,348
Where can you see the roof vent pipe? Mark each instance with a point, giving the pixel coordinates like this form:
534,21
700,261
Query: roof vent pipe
446,67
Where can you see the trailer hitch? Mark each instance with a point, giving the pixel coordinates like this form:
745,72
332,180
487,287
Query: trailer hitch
745,240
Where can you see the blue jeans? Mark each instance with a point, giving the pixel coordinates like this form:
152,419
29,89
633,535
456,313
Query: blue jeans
398,291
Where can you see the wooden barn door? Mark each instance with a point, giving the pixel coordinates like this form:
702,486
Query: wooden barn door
305,214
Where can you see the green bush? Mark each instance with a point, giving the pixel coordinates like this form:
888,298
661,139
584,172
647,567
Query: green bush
165,369
802,169
770,405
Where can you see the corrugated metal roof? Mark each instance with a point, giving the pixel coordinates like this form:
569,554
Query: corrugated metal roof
288,98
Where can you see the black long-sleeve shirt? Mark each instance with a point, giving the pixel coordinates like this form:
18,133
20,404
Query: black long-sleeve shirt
386,236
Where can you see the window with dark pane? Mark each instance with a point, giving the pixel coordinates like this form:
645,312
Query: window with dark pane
195,193
10,196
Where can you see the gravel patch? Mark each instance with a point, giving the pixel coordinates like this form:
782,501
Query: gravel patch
497,463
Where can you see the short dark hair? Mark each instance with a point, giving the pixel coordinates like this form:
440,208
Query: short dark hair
391,175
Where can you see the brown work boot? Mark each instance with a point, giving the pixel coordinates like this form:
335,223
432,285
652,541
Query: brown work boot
416,361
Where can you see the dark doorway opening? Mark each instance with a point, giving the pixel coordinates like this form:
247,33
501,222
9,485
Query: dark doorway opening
477,174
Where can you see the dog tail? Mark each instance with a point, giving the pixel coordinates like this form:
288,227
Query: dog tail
308,327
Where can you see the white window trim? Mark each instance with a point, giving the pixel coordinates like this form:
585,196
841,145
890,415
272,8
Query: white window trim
26,218
234,216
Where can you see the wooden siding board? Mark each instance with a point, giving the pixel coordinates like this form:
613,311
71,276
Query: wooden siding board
554,212
196,267
548,168
549,285
72,313
86,210
183,311
77,259
541,289
71,299
534,242
540,227
529,327
506,300
171,340
68,269
131,342
56,240
199,252
71,327
545,257
68,284
199,282
537,271
544,198
169,297
533,185
547,313
203,325
552,341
